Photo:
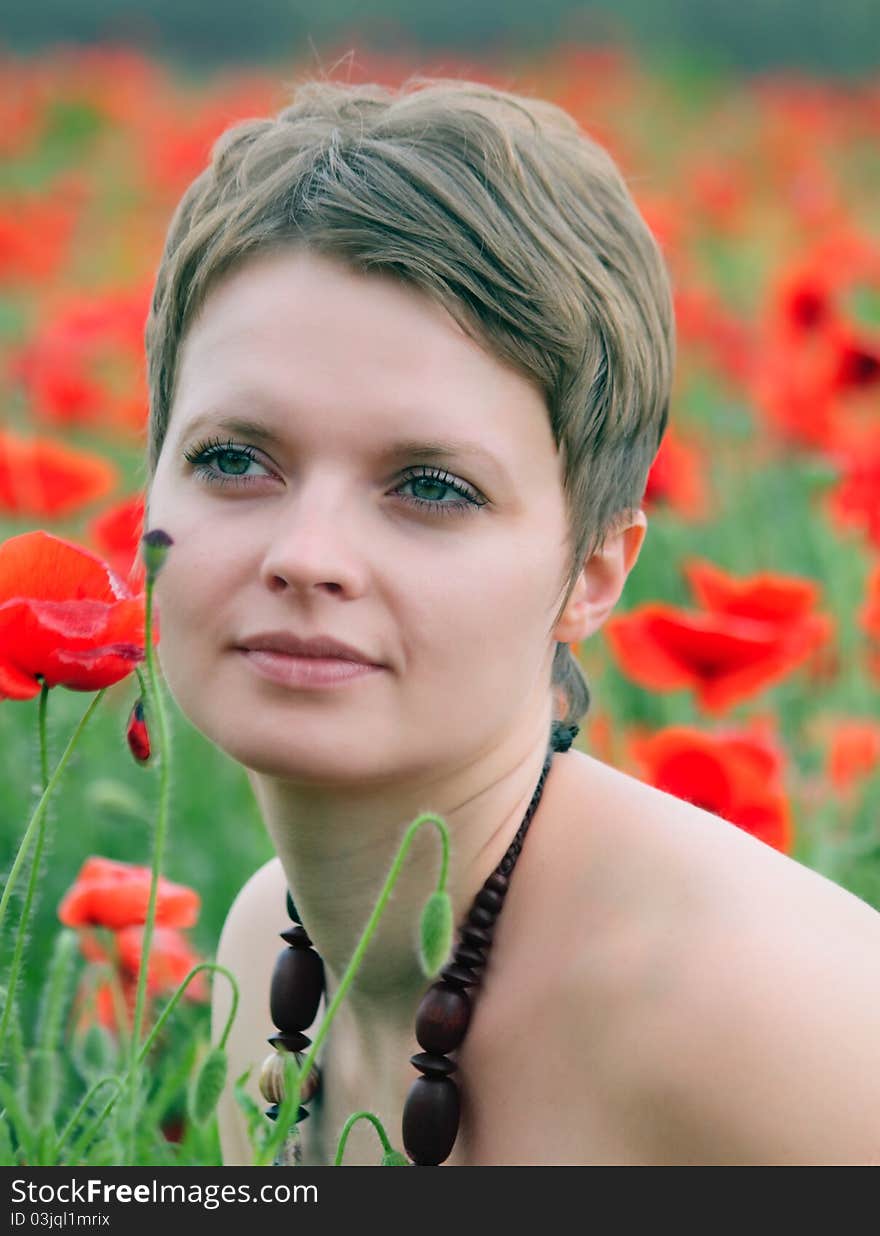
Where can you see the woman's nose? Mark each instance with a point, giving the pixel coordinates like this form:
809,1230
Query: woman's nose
315,543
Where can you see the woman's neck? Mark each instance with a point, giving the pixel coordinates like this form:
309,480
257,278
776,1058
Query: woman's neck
337,846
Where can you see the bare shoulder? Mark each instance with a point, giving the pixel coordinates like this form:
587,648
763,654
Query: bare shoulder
248,947
728,995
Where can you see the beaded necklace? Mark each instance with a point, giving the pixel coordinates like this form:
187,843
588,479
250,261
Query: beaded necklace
432,1108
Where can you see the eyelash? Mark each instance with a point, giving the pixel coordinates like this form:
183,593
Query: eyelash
201,455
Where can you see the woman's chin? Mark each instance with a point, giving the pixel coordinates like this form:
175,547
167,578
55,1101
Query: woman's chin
307,764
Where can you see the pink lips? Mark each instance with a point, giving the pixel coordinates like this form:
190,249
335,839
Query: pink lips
308,672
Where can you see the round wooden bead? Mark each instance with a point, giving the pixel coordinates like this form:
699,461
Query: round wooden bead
297,986
272,1078
296,936
442,1018
489,900
497,882
433,1066
430,1120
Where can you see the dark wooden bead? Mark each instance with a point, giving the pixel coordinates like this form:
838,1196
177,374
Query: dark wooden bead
290,1042
476,935
442,1018
459,976
497,883
297,986
296,936
489,900
481,917
433,1066
302,1114
430,1120
467,955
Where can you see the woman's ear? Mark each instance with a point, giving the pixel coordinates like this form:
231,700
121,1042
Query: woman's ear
601,581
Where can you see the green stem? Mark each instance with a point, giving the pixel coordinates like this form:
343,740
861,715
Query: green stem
370,928
66,1131
41,727
40,808
21,933
154,1033
347,1127
155,711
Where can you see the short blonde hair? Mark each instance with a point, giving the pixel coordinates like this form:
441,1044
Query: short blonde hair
496,205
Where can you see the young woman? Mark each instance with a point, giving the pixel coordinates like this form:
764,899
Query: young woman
410,356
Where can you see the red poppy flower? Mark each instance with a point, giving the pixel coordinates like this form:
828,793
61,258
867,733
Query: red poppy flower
854,751
64,616
136,733
854,502
42,477
818,368
83,363
677,479
98,1004
767,596
176,146
724,658
113,894
35,232
117,534
600,736
171,960
735,774
717,189
705,323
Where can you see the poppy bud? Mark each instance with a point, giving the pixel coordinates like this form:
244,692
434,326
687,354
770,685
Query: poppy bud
136,732
154,550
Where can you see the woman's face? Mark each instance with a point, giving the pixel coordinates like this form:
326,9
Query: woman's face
444,568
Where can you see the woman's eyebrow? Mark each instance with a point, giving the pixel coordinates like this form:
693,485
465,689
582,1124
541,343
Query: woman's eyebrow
415,448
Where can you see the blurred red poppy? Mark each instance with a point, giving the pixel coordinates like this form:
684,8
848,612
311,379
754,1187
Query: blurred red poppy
722,657
734,774
82,365
677,479
40,476
707,327
65,617
115,895
35,234
171,959
854,502
854,752
98,1003
767,596
117,534
818,368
